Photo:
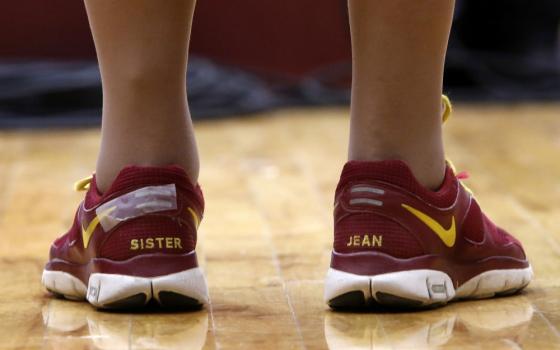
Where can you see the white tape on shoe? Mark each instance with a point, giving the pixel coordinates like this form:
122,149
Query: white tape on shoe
140,202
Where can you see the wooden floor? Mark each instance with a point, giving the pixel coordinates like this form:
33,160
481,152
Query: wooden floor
266,238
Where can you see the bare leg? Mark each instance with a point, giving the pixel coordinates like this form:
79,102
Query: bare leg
142,49
398,50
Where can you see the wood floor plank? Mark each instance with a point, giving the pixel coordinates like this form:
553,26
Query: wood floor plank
266,236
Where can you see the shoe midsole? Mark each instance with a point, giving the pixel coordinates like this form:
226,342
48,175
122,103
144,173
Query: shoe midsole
374,263
426,286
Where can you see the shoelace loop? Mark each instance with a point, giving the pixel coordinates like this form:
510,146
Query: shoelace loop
447,107
83,184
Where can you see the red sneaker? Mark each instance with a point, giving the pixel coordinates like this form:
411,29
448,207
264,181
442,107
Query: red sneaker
133,243
397,243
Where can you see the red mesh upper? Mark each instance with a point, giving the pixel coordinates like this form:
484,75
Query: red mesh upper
473,225
387,219
117,246
396,172
396,241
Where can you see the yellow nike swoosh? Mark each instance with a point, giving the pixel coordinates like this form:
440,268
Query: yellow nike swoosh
446,235
194,216
86,233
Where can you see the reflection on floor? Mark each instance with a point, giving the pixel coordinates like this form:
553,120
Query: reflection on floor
265,239
502,323
499,324
77,325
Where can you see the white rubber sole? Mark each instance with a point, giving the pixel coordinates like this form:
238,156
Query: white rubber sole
418,288
186,288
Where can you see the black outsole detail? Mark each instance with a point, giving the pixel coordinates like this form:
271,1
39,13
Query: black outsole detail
433,305
350,300
391,300
176,300
356,301
134,301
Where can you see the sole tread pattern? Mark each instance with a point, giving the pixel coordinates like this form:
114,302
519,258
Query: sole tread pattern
131,302
174,300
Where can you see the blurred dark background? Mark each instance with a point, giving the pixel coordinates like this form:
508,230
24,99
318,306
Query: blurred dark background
249,56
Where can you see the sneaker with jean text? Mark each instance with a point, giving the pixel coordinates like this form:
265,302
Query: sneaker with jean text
399,244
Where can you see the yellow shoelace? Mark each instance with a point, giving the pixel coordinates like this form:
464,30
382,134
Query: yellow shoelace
447,107
447,110
83,184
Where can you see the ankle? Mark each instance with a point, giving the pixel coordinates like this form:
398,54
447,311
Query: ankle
428,167
158,139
